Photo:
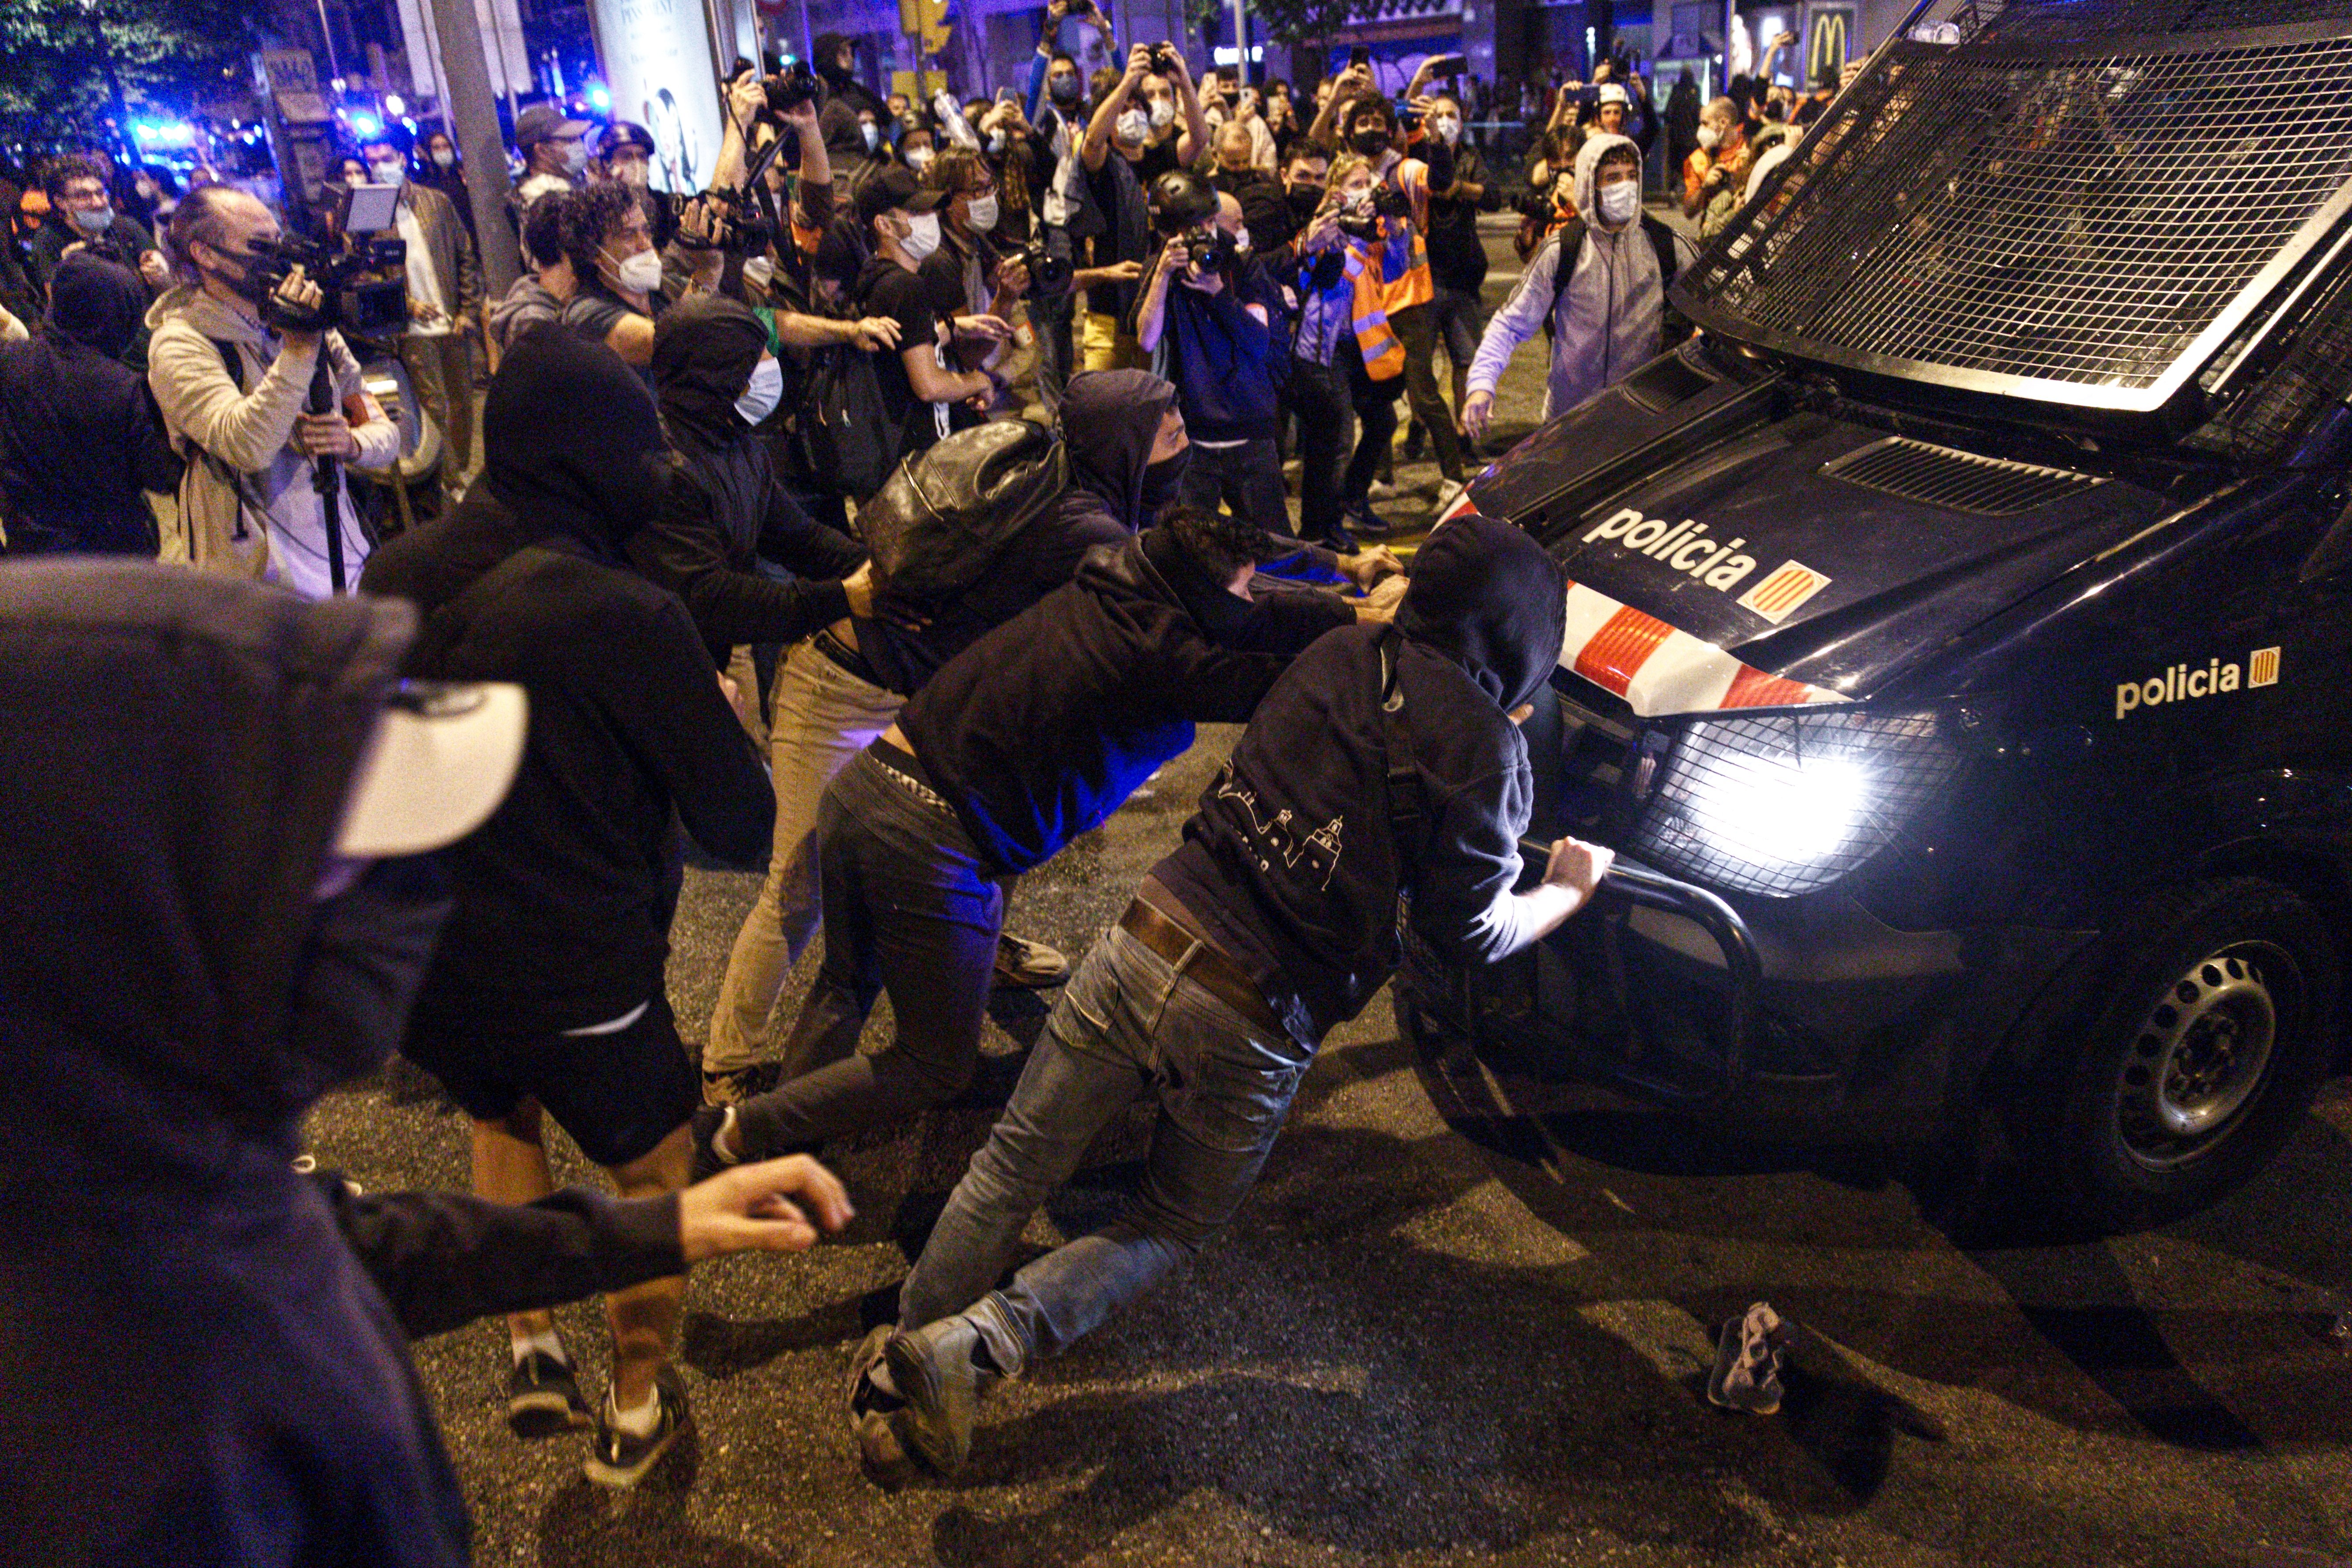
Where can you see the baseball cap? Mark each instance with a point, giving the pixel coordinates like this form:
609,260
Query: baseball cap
893,186
438,764
542,122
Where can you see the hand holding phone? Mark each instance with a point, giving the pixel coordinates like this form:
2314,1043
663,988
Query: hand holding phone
1444,65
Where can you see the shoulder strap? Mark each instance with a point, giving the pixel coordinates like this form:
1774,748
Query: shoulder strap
1405,812
1570,238
233,361
1662,242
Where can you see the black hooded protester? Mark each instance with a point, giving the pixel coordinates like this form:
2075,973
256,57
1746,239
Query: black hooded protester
547,988
1030,737
725,512
80,434
203,1356
834,57
1386,762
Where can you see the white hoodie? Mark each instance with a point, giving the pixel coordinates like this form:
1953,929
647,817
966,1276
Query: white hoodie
1610,315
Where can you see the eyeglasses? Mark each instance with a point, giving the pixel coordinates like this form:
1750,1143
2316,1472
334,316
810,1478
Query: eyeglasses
88,194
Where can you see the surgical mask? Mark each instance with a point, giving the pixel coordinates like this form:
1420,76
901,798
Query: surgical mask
920,158
1620,203
388,172
1710,137
1161,483
983,214
1163,114
1445,128
922,235
757,270
1370,143
575,158
1064,89
444,157
872,132
93,221
633,174
640,274
996,140
766,390
1133,125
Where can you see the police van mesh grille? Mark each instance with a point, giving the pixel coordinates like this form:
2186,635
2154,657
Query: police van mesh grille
1961,481
2044,219
1781,806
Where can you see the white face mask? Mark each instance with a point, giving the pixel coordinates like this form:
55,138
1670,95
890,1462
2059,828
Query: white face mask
1445,127
1163,114
996,140
922,235
872,132
1710,137
444,157
920,158
767,388
757,270
1133,126
575,158
640,274
633,174
1620,203
388,172
983,214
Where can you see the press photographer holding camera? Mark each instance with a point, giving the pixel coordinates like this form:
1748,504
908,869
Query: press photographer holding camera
236,347
1133,139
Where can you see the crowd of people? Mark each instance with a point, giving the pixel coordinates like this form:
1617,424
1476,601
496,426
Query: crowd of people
957,429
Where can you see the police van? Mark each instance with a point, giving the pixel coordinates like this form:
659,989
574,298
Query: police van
1960,635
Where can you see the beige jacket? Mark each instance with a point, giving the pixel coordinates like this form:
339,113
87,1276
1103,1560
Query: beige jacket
246,500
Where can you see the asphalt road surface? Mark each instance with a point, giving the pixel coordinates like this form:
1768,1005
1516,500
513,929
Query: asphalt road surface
1463,1337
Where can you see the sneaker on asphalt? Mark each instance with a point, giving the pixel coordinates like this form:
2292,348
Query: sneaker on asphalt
623,1458
1449,492
936,1375
1362,519
543,1398
1747,1374
1382,489
876,1416
1338,542
1416,442
736,1085
1027,965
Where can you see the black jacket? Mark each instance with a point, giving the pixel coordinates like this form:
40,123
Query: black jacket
80,434
1039,731
564,896
1292,864
725,511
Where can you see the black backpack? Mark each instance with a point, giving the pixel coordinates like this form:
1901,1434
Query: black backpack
842,431
943,515
1570,236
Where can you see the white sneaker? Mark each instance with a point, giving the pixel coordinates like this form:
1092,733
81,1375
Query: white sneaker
1450,491
1382,490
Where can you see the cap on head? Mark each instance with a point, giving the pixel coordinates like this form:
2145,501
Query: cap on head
542,123
625,133
1612,93
438,764
892,186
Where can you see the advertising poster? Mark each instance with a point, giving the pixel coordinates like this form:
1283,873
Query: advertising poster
658,67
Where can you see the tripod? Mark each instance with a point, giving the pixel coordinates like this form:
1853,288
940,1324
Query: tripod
327,475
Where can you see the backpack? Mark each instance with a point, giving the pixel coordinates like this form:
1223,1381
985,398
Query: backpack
1570,236
842,431
945,513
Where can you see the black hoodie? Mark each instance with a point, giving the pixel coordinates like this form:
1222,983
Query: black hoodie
844,142
1291,864
564,896
725,509
80,434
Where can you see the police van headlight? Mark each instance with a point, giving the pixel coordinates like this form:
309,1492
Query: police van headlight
1781,804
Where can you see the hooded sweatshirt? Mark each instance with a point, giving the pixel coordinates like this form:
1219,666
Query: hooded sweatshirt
844,142
1292,865
80,434
1610,316
247,502
1042,729
725,511
563,897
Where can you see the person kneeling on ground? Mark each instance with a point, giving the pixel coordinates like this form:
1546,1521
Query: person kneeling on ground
1387,761
1030,737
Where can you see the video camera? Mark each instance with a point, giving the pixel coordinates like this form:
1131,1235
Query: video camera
360,270
747,228
1387,202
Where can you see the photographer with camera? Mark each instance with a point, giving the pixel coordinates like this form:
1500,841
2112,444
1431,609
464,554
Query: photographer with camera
619,273
237,346
445,302
1215,324
1133,139
625,154
970,280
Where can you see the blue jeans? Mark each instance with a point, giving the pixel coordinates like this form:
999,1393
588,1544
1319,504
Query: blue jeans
1128,1025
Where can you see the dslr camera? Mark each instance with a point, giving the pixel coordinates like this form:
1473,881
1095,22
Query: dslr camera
362,276
1049,275
787,87
1364,222
1210,246
1165,59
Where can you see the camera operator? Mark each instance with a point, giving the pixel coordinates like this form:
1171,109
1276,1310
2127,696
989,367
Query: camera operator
618,272
82,214
540,294
1210,314
235,393
445,302
1133,139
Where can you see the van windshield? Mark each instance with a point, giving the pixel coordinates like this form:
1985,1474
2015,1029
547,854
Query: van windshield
2082,201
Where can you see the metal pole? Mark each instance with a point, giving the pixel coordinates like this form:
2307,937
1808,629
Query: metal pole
473,116
1241,38
326,31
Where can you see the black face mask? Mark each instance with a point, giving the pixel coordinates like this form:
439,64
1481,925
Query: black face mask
367,955
252,287
1160,481
1370,143
1304,200
1064,89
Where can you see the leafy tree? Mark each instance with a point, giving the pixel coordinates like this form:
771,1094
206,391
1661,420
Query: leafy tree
1317,25
176,54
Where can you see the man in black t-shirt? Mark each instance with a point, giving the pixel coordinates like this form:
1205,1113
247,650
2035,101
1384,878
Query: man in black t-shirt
902,218
1274,923
1133,139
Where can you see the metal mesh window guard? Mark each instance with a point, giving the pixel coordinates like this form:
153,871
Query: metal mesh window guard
2041,212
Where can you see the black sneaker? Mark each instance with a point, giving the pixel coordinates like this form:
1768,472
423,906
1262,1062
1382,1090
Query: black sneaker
702,1127
543,1398
622,1459
1363,520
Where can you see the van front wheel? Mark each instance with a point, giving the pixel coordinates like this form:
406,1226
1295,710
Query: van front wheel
2205,1033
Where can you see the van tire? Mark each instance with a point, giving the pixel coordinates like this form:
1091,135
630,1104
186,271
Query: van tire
2203,1030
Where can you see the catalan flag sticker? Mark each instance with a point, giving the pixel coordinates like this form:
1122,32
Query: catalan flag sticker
1783,591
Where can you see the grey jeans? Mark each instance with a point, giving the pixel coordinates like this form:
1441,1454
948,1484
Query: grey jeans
1128,1024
